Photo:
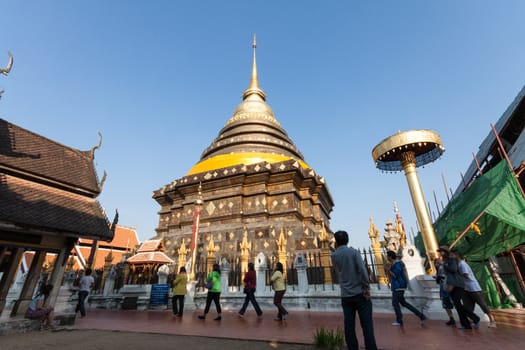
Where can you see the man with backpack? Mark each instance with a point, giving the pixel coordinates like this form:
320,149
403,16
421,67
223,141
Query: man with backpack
398,284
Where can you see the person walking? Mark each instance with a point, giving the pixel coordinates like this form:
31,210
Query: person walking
85,284
214,293
37,310
446,303
456,288
398,284
250,282
355,292
179,291
473,292
280,288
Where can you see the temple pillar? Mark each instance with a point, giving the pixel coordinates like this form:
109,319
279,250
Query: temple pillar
302,277
107,266
260,268
9,276
56,275
33,275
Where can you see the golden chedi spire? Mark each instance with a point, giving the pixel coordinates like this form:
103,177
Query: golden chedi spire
252,135
254,88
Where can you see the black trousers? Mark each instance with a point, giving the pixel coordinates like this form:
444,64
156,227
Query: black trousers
215,296
464,314
177,309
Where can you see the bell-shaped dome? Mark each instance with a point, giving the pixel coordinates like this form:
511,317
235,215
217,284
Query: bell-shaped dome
250,136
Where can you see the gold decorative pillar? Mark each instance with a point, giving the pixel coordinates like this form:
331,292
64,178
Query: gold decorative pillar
406,151
183,252
245,252
281,251
326,259
210,256
373,233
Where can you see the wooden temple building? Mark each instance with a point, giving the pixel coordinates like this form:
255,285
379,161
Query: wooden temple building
251,184
48,200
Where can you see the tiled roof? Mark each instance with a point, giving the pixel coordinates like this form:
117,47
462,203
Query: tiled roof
25,151
125,238
29,203
150,258
151,245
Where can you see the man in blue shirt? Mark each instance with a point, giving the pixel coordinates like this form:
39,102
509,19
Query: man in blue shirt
398,284
355,292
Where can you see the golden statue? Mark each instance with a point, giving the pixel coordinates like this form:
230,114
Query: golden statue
210,257
373,233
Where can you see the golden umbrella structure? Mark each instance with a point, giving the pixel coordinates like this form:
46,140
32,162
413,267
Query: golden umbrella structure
406,151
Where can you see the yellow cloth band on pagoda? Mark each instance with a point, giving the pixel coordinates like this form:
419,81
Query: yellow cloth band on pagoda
226,160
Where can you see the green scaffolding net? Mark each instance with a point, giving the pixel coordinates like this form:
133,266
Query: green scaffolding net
501,227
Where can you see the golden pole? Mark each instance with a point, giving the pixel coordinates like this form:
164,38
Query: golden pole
408,161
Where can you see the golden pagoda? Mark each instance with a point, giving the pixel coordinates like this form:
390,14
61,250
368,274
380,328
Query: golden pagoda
254,183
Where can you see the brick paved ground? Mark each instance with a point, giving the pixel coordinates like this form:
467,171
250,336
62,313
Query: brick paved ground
159,330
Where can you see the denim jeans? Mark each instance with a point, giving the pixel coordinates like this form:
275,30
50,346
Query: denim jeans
363,307
250,297
82,295
398,298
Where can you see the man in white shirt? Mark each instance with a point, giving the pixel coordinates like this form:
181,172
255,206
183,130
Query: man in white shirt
85,284
473,292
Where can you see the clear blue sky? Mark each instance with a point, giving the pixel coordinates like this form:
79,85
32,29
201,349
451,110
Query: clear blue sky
159,79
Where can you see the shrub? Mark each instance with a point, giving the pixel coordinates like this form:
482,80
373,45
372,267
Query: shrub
329,339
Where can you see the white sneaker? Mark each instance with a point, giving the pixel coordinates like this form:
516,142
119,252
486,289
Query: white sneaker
396,324
493,325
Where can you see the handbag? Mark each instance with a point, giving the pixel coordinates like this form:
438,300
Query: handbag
209,285
246,290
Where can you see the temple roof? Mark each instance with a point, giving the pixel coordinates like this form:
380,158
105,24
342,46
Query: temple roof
250,136
150,258
150,252
24,151
48,187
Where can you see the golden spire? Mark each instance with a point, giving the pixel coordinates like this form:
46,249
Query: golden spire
254,81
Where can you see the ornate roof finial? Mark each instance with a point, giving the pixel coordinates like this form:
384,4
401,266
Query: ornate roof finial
254,81
7,69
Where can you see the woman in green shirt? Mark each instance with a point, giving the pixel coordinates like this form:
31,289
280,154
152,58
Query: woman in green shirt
214,293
